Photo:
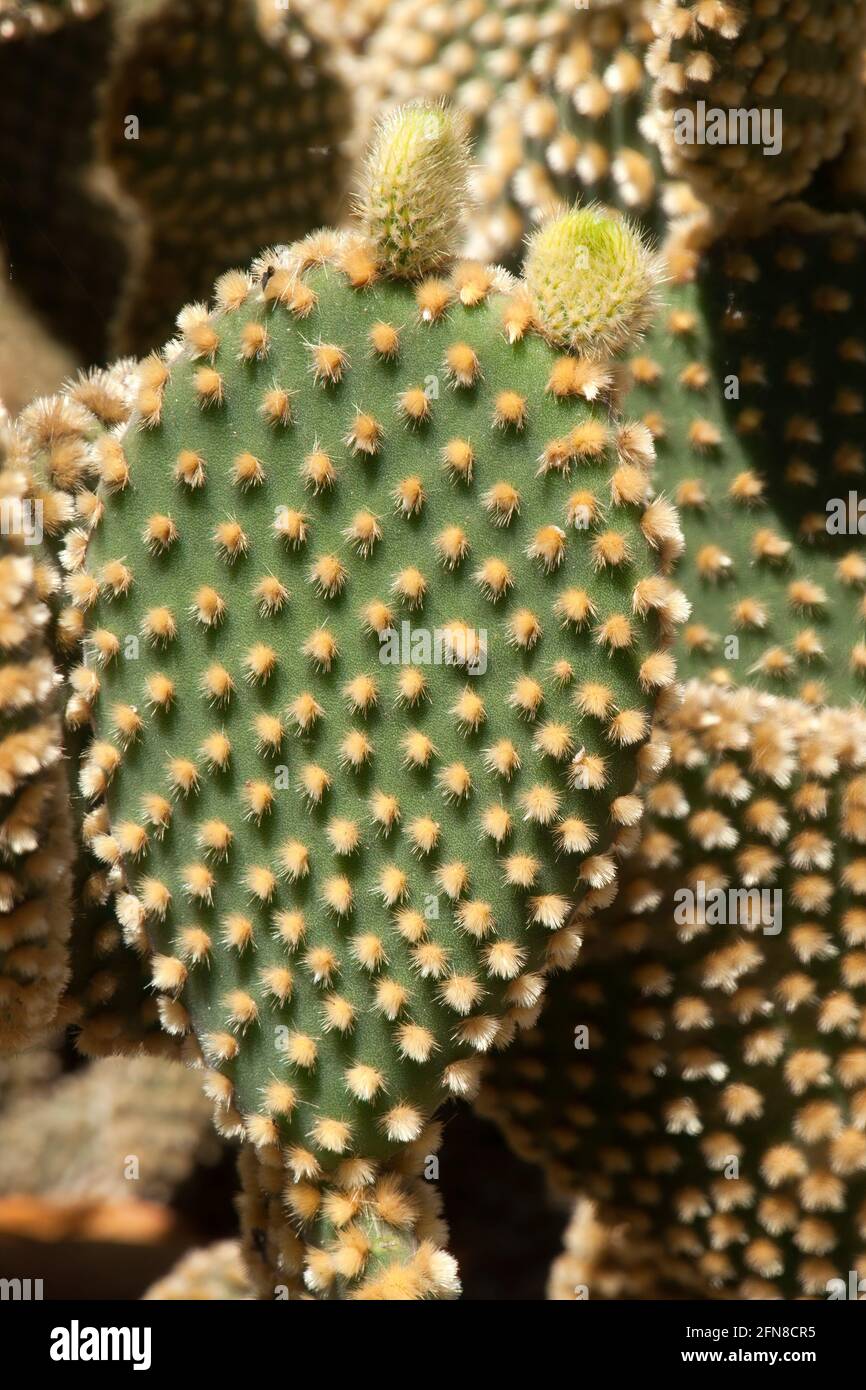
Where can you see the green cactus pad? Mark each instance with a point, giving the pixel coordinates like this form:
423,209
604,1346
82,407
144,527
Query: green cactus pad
291,792
752,382
378,615
716,1112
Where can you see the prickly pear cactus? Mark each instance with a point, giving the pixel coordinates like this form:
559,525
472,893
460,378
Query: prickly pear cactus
554,94
221,125
396,598
35,843
701,1076
107,999
64,243
752,383
790,74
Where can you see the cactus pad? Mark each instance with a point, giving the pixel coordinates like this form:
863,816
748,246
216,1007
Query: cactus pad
752,382
35,843
553,94
715,1109
397,606
801,60
240,118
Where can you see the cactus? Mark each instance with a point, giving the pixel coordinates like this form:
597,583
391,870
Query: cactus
601,1263
172,137
64,243
107,1000
355,21
715,1110
352,446
120,1129
216,1272
800,64
751,381
554,95
35,843
240,118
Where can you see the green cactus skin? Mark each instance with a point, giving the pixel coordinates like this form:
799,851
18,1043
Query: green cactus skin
78,1137
107,1000
35,843
288,491
802,60
753,465
241,121
717,1112
176,732
214,1273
